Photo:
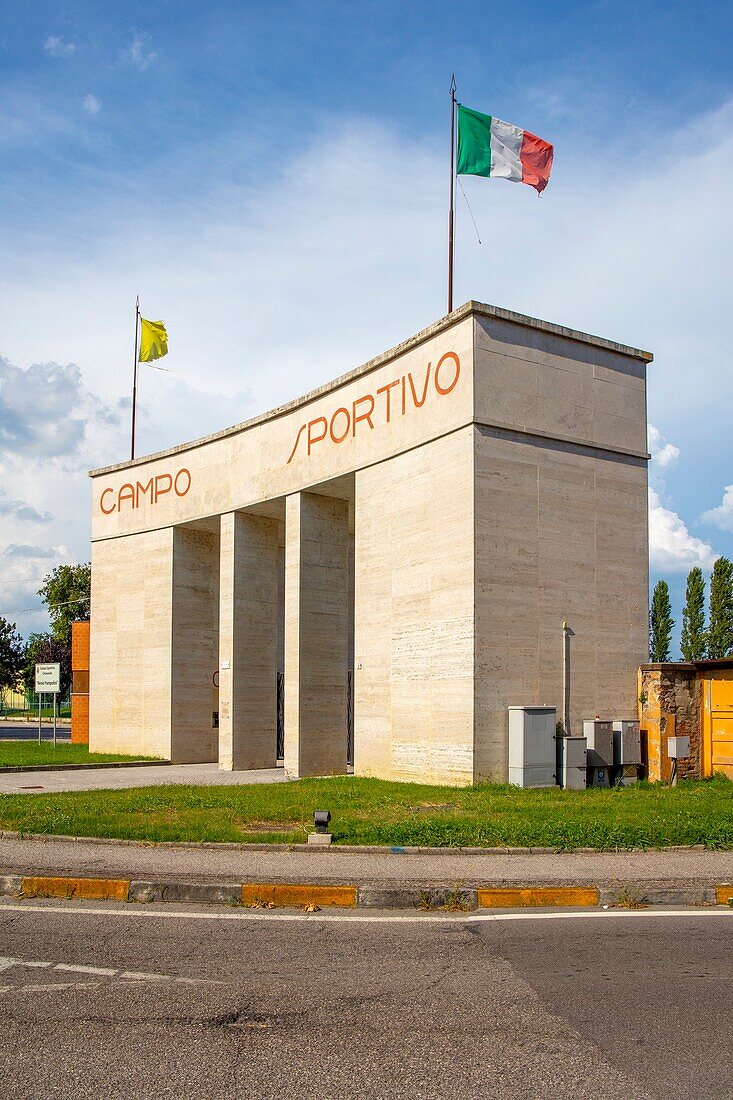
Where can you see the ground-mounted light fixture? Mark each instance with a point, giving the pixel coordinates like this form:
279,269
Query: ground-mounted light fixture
321,819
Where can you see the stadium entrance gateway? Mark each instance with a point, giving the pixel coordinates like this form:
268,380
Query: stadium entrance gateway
396,550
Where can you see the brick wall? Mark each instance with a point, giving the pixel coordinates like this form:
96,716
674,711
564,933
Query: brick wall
80,683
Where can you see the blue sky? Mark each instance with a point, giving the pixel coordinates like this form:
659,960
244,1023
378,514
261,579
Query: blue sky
272,181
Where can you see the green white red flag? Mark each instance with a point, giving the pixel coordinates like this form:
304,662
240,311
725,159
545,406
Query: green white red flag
489,147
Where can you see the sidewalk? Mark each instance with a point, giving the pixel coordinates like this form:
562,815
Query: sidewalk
121,778
375,877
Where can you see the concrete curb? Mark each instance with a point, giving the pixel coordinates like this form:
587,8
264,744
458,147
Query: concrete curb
315,849
83,767
314,896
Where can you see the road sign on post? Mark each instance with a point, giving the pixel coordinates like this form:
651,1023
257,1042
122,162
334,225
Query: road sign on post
48,682
48,678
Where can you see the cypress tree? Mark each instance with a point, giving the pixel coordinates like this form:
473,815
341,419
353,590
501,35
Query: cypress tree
720,634
660,623
694,642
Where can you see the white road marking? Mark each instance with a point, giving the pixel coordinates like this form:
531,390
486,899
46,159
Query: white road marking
373,918
127,977
102,971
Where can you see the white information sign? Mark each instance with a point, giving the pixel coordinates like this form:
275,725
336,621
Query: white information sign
48,678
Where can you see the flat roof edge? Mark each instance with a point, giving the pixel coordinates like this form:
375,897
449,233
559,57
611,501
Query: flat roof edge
458,315
559,330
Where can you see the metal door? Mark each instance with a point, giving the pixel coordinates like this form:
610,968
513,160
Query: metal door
718,723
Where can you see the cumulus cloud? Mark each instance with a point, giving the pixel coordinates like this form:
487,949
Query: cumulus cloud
671,546
91,104
722,516
45,409
269,291
21,575
53,429
55,46
137,53
19,509
16,550
663,453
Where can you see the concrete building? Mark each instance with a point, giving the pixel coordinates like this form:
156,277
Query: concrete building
425,522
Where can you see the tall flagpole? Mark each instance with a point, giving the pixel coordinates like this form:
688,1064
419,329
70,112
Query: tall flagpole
134,377
451,215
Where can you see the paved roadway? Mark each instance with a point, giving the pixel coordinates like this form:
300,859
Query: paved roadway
24,731
227,1004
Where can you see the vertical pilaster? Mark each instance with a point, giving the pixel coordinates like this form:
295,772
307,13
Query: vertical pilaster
316,634
194,627
248,603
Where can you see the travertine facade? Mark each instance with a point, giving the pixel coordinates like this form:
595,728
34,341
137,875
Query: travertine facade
414,532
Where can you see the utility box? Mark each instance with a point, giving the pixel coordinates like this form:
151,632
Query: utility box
626,752
626,743
532,746
600,743
572,755
678,747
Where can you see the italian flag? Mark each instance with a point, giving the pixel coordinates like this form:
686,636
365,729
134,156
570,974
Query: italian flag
489,147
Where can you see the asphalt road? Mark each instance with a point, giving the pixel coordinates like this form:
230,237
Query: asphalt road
265,1006
24,731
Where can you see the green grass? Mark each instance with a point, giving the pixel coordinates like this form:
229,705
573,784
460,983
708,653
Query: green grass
64,711
14,754
370,811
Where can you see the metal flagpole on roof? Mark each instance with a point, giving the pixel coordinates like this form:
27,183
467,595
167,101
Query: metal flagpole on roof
134,376
451,215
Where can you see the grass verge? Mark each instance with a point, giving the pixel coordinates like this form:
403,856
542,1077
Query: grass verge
371,811
26,754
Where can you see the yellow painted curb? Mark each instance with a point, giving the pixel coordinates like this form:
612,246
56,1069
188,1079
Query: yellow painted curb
284,893
723,894
516,897
95,889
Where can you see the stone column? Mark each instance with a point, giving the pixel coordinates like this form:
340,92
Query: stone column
248,617
316,634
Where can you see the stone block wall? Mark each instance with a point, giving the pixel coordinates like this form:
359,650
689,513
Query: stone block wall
670,705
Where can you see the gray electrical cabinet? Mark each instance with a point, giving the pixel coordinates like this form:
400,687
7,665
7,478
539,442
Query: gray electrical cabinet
626,752
532,746
626,742
572,762
600,743
600,752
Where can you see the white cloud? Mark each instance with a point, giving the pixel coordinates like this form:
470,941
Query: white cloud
663,453
671,546
137,54
19,509
91,104
21,575
53,429
55,46
722,516
269,290
18,550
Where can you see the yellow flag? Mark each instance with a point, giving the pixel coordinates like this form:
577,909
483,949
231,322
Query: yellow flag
153,340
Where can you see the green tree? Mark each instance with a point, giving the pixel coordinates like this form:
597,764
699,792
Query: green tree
44,649
11,654
660,623
694,640
66,593
720,632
